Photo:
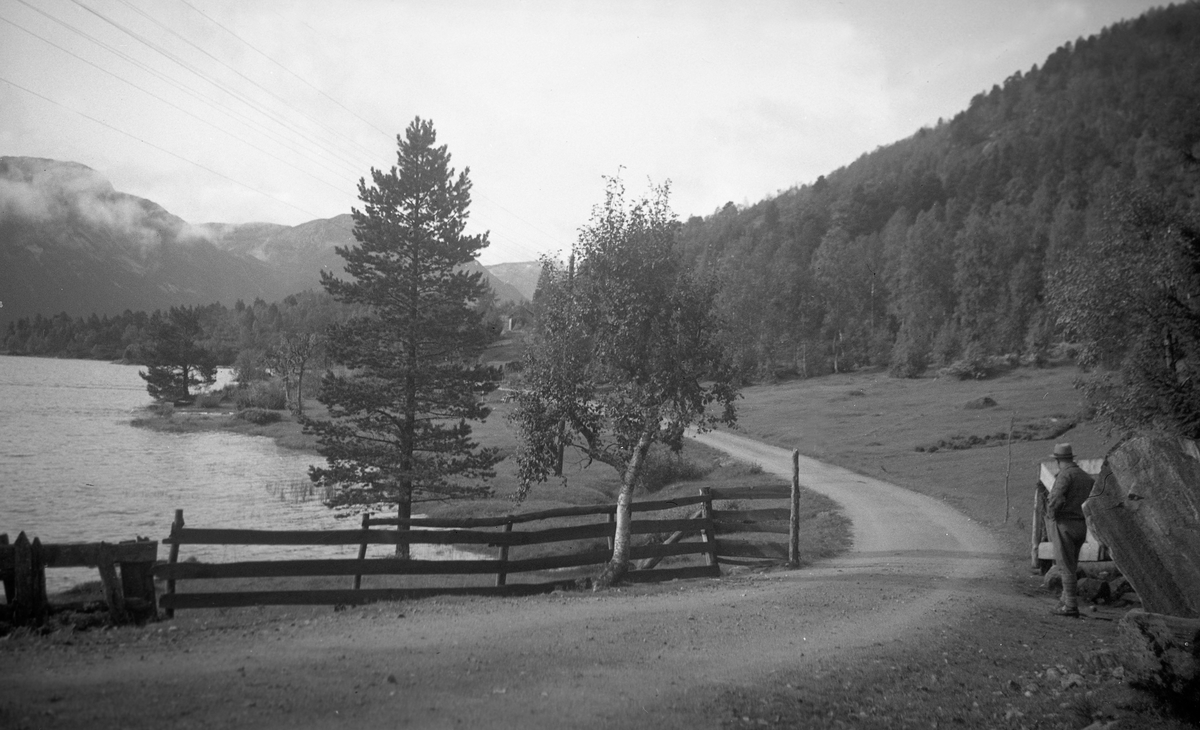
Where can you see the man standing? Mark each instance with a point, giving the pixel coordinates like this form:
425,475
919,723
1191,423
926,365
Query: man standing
1065,523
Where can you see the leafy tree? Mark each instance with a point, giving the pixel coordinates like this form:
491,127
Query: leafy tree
624,353
1132,297
398,426
175,359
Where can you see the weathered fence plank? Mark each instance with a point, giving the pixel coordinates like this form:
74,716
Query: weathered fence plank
391,566
763,492
176,527
736,526
8,577
346,596
209,536
29,605
500,521
114,593
85,554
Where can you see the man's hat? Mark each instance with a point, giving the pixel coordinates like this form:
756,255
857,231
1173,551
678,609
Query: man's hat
1063,451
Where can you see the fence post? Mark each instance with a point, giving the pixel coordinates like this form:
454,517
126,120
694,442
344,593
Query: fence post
362,549
8,577
29,581
612,518
794,523
137,582
502,575
709,535
114,594
176,526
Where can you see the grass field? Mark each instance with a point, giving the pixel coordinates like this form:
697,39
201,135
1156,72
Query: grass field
904,432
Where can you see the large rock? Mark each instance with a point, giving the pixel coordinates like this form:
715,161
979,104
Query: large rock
1163,658
1145,507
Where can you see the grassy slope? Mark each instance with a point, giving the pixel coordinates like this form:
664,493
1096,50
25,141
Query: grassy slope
873,424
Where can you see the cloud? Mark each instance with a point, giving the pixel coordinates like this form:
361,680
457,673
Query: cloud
47,192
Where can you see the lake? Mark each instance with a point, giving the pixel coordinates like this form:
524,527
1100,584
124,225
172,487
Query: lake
73,469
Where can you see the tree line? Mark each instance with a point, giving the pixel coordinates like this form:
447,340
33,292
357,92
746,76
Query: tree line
942,248
238,336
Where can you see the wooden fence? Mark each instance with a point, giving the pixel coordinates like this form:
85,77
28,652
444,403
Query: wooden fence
720,533
125,573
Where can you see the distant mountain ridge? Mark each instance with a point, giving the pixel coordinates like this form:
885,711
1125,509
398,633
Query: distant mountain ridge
70,242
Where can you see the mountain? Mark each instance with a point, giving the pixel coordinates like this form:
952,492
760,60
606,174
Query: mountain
522,276
943,248
299,253
71,243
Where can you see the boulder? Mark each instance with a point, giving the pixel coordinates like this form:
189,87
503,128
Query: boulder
1145,506
1163,658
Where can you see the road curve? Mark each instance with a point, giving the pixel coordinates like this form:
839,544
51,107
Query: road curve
889,522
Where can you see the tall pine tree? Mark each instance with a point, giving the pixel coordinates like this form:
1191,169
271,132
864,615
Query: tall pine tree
398,415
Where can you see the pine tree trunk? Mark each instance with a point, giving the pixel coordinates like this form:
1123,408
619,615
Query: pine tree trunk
616,568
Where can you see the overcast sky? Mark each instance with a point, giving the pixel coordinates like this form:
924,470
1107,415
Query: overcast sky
258,110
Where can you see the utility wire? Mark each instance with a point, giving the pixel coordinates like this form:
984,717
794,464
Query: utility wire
160,149
285,102
508,241
312,86
172,104
192,69
285,68
207,100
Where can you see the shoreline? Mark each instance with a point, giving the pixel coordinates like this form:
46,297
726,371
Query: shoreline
286,433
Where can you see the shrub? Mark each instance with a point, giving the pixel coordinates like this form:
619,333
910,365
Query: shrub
260,416
663,467
266,394
211,399
162,409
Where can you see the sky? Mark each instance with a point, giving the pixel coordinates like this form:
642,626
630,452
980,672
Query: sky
264,110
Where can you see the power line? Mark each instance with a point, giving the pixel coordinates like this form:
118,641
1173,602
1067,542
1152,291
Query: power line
312,86
285,102
509,242
192,69
160,149
285,68
169,103
219,106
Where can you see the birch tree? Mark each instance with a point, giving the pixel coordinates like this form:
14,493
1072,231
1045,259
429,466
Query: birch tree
624,356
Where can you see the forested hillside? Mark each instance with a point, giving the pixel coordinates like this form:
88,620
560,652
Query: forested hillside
939,248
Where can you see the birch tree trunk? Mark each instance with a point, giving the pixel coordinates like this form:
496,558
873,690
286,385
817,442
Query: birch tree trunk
619,564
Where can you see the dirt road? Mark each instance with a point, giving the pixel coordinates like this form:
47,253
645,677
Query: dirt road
639,657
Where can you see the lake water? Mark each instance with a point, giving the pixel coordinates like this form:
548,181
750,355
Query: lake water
73,469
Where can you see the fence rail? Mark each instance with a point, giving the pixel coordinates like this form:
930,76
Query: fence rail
712,526
124,567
